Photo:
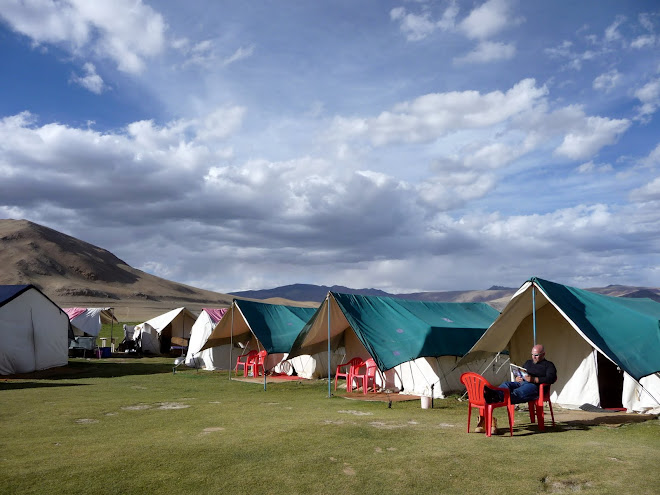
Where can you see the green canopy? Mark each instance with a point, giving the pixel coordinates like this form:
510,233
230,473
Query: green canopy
275,326
626,330
394,331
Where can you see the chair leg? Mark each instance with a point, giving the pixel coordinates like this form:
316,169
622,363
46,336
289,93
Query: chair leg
511,413
489,420
541,417
532,408
552,413
469,416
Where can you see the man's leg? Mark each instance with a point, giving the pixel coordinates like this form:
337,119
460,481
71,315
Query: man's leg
524,393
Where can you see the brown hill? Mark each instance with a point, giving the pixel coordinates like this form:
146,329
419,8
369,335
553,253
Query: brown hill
75,273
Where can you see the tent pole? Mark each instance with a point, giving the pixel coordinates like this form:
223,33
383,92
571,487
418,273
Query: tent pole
327,299
534,310
231,337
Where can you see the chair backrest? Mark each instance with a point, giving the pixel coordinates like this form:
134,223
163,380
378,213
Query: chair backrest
261,357
475,383
371,367
251,356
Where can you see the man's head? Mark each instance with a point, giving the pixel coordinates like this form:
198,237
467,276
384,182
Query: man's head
538,353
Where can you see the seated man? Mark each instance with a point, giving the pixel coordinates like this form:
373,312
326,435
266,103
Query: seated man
539,370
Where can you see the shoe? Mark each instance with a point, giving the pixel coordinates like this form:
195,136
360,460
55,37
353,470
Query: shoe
480,425
493,427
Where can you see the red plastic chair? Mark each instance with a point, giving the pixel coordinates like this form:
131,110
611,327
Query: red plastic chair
345,370
536,407
475,383
369,373
244,360
258,362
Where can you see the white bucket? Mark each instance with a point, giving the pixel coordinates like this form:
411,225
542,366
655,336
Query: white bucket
426,402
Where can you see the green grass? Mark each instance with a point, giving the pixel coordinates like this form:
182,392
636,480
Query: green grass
130,425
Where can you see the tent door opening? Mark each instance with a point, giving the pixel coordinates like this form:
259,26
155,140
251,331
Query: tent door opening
610,383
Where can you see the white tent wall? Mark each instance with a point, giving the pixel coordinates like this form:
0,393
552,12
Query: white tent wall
642,397
91,320
177,323
416,377
34,334
215,358
316,365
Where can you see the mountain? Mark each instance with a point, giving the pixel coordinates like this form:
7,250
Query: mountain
75,273
496,296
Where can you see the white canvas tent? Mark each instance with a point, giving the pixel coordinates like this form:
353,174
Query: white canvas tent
34,331
159,334
596,342
214,357
415,344
88,321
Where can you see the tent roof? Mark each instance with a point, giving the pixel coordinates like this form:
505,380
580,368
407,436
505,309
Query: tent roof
215,314
394,330
626,330
276,326
160,322
9,292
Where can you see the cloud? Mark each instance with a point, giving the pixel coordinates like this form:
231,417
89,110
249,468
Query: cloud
591,167
125,31
240,54
607,81
431,116
612,33
590,135
649,95
648,192
91,81
415,27
488,51
489,19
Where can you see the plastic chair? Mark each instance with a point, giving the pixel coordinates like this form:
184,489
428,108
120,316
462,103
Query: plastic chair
258,362
369,373
475,383
345,370
536,407
244,360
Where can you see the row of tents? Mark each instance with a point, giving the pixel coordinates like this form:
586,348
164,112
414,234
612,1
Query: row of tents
606,349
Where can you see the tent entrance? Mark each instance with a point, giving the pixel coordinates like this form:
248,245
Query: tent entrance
610,383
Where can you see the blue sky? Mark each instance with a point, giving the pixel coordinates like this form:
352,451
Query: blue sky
401,145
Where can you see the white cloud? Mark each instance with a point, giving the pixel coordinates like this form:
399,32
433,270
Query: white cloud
612,31
488,51
592,134
653,158
240,54
649,95
415,27
607,81
126,31
430,116
90,80
648,192
489,19
644,41
591,167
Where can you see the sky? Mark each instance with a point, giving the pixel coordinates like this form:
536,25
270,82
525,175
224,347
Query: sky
400,145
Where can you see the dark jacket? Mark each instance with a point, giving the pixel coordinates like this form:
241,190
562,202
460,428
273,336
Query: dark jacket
545,370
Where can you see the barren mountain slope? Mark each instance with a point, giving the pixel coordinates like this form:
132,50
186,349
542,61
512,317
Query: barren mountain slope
75,273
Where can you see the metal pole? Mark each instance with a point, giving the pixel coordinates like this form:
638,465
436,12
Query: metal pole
231,337
534,311
327,307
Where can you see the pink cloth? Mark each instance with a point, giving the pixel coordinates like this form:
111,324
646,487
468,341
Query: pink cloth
216,314
73,312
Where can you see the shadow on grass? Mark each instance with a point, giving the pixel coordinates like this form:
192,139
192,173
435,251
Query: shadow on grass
96,369
613,421
17,385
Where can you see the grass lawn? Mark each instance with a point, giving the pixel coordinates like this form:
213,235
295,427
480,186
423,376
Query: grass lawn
129,425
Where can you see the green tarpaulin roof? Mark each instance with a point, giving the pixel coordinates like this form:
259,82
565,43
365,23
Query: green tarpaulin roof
626,330
276,326
394,331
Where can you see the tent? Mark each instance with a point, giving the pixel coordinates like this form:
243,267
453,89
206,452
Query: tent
606,349
199,334
415,343
159,334
88,321
34,331
256,325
